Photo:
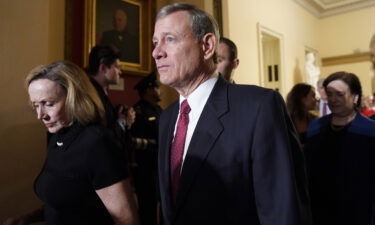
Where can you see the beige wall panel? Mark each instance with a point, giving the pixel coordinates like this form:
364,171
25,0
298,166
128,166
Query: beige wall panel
298,27
28,37
345,33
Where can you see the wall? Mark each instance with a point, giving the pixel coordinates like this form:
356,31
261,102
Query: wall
342,35
298,28
332,36
32,33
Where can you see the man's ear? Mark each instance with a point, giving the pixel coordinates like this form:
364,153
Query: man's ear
235,63
209,44
102,68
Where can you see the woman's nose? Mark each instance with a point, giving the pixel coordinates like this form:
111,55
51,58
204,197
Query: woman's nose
40,113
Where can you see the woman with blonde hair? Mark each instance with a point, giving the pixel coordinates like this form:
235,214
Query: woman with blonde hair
84,179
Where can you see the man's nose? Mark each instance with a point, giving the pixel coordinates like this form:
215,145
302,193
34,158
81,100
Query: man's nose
158,52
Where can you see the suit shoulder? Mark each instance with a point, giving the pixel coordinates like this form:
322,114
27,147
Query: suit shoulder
315,126
252,93
363,126
169,109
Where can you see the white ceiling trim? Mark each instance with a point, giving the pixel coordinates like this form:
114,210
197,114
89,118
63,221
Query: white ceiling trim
334,4
333,8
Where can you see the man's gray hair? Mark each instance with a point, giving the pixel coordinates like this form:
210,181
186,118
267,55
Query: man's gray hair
202,23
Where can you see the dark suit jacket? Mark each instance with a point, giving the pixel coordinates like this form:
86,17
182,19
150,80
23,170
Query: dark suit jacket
243,165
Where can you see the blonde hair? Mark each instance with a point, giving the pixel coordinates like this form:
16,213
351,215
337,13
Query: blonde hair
82,103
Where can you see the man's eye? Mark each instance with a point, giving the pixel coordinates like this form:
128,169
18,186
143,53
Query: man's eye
169,39
49,104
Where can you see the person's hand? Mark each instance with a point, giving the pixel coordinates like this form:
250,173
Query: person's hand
16,220
130,117
122,110
27,218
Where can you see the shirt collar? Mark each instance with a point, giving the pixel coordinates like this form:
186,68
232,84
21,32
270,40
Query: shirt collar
199,96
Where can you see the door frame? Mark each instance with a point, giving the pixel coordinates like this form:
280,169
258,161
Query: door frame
263,29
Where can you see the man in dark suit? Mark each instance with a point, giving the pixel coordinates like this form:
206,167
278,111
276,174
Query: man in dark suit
229,154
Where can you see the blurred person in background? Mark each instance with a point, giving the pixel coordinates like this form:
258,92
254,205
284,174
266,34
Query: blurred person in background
340,157
300,101
367,108
227,60
104,70
323,104
145,140
126,116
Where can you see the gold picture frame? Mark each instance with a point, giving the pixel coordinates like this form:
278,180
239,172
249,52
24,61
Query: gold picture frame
104,19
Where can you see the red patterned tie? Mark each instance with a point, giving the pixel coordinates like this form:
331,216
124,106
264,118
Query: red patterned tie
178,145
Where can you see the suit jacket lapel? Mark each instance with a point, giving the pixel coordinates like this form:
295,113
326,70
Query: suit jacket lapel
203,139
165,141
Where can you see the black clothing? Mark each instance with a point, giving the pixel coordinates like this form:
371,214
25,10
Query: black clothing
79,161
302,137
341,171
127,44
110,113
150,81
145,133
309,117
146,124
111,118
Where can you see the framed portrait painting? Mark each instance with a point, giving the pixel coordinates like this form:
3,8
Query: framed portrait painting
126,25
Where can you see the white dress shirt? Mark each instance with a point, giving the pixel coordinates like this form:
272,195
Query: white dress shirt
197,100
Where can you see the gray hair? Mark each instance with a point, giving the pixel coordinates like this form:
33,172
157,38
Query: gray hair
202,23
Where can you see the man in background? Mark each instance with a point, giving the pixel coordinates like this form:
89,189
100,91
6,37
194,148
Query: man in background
145,140
227,59
323,104
104,69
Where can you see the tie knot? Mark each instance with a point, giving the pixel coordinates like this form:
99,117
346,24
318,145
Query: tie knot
185,108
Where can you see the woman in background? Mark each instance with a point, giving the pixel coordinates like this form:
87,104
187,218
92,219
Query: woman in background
340,150
84,179
300,101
